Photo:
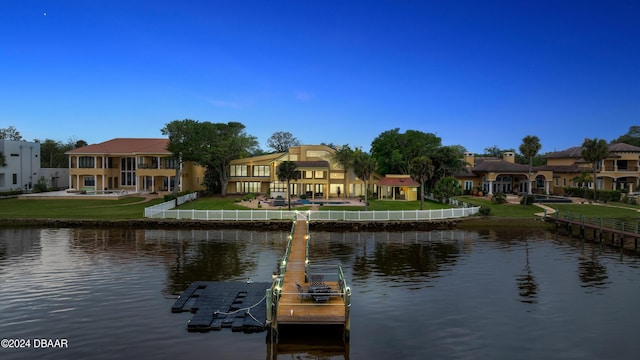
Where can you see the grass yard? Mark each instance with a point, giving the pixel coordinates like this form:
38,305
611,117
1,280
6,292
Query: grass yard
127,208
230,203
503,210
133,208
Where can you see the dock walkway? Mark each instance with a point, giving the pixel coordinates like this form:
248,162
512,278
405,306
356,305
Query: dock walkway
296,307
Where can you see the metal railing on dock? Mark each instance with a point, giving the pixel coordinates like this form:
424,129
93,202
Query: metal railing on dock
298,296
618,229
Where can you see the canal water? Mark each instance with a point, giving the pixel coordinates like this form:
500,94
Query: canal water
507,294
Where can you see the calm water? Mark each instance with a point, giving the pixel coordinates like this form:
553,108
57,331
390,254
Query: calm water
416,295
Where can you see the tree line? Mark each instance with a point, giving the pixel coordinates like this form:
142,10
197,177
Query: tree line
418,154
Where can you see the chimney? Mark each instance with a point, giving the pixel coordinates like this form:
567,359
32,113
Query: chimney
509,156
469,159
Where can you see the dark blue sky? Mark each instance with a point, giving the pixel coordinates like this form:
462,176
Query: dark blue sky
475,73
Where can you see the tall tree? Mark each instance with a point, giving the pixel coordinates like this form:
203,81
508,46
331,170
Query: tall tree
364,165
394,151
344,157
10,133
223,143
632,137
529,148
186,143
448,160
287,171
281,141
421,171
594,150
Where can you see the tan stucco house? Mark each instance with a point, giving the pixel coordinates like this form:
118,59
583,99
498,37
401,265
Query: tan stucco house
320,177
619,171
502,175
133,164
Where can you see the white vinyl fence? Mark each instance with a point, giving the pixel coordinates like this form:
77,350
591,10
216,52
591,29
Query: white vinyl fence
165,211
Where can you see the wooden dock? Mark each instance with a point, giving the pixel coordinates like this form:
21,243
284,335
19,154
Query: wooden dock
295,307
616,231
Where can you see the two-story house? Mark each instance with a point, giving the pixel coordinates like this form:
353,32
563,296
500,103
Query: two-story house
320,177
619,171
132,164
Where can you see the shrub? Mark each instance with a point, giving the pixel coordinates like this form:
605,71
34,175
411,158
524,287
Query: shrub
499,198
528,198
484,210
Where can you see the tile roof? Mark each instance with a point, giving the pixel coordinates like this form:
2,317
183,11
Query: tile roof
498,165
622,147
397,181
576,151
124,146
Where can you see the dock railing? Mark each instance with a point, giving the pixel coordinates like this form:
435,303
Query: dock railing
628,227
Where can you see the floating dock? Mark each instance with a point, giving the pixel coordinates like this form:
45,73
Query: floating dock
240,306
301,294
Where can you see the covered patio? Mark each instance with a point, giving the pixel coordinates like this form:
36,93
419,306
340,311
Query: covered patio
398,187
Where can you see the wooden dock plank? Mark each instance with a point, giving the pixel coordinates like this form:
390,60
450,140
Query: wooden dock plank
296,309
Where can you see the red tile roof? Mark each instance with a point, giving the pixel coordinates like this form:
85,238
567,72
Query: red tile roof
124,146
395,181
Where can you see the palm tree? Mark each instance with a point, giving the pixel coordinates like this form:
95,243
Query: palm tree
583,179
594,150
529,148
421,170
287,171
364,166
344,157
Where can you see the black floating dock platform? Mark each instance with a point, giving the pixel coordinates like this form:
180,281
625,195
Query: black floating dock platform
240,306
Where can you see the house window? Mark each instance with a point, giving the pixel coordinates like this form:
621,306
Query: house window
319,174
555,181
622,165
261,170
238,170
278,186
86,162
468,185
88,181
248,186
170,163
128,171
15,179
564,181
166,182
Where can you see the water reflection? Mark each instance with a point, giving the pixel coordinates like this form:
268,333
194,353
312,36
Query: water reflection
527,286
18,242
190,255
593,274
440,294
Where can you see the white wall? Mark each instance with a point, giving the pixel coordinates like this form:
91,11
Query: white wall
23,164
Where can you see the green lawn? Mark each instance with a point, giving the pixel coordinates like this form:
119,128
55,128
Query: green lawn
229,203
503,210
611,210
127,208
213,203
133,208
